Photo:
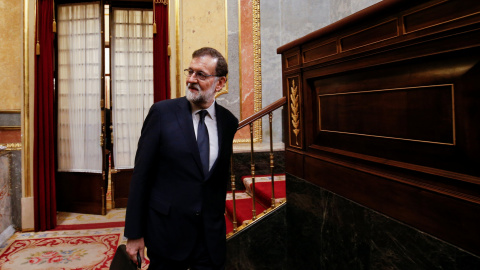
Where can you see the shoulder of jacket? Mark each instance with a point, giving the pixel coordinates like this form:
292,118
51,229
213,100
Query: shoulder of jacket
167,103
226,112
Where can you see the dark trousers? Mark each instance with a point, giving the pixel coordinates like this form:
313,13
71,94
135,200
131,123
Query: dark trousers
199,259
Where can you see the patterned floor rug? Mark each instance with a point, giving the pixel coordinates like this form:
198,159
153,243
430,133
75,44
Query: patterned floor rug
66,250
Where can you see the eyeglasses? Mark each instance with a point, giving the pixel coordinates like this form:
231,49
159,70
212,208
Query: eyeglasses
199,74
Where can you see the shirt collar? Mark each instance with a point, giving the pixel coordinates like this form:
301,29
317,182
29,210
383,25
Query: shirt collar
210,110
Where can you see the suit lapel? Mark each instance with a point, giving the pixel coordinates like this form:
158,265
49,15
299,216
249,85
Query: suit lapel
184,117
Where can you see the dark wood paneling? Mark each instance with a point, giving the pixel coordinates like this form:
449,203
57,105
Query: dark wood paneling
291,59
295,162
440,13
120,187
391,120
441,127
423,113
371,35
320,51
80,192
450,219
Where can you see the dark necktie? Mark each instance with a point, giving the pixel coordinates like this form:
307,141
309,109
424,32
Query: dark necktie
203,141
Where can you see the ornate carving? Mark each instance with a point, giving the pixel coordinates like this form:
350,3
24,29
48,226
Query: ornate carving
294,113
257,69
11,146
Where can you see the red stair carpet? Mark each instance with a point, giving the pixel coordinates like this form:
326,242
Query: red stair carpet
244,202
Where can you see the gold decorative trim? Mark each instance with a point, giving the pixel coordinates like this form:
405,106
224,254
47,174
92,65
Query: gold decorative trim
12,146
177,47
264,214
26,102
257,70
11,111
242,140
165,2
10,127
295,112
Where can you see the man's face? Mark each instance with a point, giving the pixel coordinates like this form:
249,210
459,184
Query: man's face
202,92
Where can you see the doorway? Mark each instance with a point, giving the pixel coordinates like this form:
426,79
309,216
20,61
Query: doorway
104,87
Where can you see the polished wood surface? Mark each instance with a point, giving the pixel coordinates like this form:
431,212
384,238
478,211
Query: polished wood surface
80,192
121,187
388,113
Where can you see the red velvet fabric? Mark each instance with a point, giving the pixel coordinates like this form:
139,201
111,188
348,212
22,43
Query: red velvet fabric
244,209
45,208
263,191
161,66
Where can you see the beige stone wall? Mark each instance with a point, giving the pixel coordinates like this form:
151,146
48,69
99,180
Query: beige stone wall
203,23
11,54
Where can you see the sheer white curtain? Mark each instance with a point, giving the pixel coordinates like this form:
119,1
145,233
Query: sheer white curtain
132,80
79,86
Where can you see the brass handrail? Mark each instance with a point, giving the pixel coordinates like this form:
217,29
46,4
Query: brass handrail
249,121
270,108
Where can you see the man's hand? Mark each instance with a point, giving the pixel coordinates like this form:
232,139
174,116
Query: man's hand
134,246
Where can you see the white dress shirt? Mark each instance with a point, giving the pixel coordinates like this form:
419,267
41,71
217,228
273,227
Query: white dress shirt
211,123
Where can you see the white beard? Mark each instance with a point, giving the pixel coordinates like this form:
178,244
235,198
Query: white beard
202,97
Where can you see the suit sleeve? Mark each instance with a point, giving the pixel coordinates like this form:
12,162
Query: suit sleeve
142,175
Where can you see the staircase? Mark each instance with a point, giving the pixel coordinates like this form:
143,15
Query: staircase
244,199
261,193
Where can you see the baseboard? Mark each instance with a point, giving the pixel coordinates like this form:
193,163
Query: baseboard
6,234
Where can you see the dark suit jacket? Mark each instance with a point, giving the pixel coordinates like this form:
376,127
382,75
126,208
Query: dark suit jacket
170,197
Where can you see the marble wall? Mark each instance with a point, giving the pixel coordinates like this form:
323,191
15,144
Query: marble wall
326,231
5,191
232,99
11,95
283,21
261,246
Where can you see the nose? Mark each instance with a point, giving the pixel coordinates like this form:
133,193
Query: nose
193,78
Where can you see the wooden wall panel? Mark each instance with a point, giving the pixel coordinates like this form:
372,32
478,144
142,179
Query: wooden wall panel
377,33
417,111
292,59
439,13
456,221
389,106
320,51
423,113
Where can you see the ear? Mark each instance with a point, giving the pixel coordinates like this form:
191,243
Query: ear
220,83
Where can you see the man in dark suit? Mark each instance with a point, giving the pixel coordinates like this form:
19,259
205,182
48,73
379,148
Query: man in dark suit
177,194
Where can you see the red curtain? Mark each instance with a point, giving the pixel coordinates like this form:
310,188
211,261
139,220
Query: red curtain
45,209
161,66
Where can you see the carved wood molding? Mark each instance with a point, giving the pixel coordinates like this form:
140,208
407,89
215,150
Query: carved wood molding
295,122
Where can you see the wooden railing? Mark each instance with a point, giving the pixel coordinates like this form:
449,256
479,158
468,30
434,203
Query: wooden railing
249,121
